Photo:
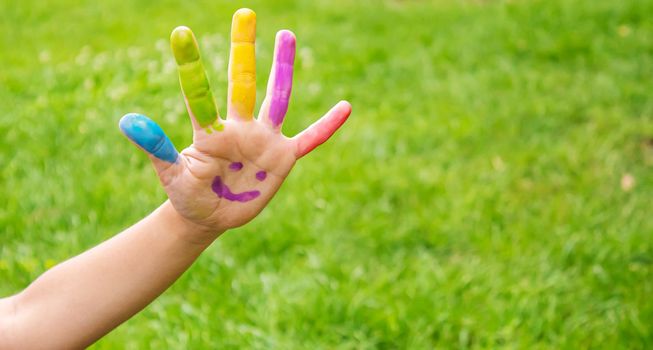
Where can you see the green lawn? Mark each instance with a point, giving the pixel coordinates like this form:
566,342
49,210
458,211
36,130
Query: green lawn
473,200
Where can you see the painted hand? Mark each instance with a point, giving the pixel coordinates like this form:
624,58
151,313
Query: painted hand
235,165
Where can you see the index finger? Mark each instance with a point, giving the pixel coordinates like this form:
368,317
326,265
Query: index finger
192,77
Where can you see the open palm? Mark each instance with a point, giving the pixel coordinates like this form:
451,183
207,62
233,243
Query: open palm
235,165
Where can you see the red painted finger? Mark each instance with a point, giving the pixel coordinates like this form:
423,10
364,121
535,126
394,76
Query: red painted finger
321,130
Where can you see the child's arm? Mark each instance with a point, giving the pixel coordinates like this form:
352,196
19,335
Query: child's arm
223,180
79,300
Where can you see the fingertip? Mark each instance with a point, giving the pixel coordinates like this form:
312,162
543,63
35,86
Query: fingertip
345,106
285,47
184,45
180,30
243,26
287,36
341,112
245,14
128,120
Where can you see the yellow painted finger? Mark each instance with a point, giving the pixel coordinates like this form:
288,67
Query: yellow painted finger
193,80
242,65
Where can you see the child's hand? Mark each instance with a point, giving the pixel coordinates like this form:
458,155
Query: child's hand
234,166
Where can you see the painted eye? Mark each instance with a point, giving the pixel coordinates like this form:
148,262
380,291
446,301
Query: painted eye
236,166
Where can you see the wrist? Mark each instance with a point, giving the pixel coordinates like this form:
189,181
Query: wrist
185,230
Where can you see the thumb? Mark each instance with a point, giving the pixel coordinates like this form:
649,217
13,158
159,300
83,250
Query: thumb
149,136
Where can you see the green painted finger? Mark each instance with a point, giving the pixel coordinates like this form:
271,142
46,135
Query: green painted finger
194,83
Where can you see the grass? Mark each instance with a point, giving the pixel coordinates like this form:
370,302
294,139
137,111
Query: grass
474,199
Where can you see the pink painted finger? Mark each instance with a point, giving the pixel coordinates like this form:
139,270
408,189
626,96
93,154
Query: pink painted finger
280,83
321,130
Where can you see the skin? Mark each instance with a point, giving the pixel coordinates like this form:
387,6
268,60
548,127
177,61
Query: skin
218,172
223,180
78,301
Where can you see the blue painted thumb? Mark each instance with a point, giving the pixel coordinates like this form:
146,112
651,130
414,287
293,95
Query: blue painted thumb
147,134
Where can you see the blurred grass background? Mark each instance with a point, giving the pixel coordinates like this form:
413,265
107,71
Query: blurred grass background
492,189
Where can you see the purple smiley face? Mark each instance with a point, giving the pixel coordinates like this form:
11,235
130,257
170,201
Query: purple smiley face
223,191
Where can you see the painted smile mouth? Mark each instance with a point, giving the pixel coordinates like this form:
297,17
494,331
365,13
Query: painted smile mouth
223,191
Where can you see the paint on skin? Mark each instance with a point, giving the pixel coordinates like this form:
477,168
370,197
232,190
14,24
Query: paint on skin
242,65
236,166
321,130
148,135
261,175
193,79
283,71
223,191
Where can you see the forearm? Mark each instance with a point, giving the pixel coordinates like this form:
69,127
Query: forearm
80,300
